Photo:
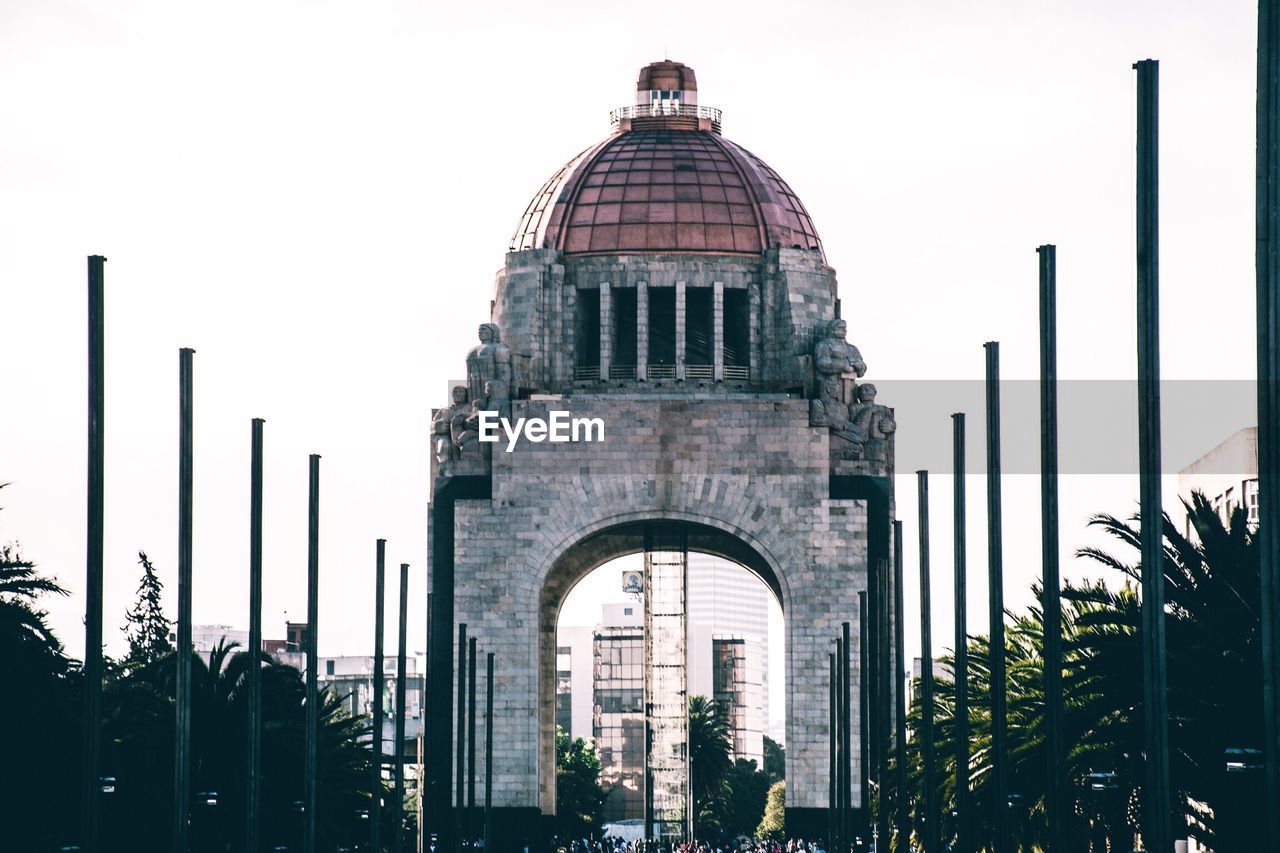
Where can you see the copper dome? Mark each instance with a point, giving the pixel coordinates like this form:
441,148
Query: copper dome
666,183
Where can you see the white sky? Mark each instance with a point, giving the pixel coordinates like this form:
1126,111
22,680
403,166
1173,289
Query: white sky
315,195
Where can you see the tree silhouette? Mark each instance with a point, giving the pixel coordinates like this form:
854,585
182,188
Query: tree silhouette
146,627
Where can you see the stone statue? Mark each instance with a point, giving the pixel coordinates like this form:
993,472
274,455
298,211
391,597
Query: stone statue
489,362
869,423
465,428
836,361
442,424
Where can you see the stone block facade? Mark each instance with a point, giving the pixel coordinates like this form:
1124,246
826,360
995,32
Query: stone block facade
748,468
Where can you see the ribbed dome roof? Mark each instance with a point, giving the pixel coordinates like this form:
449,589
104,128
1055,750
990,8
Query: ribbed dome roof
665,189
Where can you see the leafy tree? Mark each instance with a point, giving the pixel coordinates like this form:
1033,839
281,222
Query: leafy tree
775,760
710,751
771,825
742,805
579,797
146,627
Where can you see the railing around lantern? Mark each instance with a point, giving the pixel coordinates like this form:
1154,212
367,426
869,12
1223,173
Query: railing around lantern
664,109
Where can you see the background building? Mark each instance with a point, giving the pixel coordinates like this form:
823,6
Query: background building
1227,475
600,674
349,676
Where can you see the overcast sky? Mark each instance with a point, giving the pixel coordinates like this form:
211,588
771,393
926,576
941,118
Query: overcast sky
316,195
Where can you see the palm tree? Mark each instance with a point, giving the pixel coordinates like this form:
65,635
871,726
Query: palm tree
41,712
1213,653
21,623
710,759
139,710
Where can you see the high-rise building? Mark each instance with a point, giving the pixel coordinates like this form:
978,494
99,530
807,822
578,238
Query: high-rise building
600,674
618,724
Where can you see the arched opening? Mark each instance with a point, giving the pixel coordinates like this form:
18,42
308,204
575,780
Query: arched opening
592,652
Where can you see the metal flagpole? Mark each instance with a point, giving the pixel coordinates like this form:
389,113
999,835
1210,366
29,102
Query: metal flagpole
846,754
1268,315
92,746
964,843
397,809
488,753
864,712
182,656
1056,764
311,759
1158,831
902,793
842,806
460,766
471,738
995,606
253,784
832,759
379,689
932,837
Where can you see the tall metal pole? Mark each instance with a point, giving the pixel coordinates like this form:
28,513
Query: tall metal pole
398,807
471,737
864,709
488,752
846,707
1268,308
884,666
311,759
1051,605
253,784
460,765
182,656
964,842
832,758
995,607
92,746
838,768
1158,834
932,837
902,794
379,688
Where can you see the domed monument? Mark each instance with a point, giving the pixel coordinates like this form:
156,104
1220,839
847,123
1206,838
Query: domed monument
666,292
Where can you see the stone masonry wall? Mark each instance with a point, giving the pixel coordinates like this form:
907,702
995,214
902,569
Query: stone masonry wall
748,465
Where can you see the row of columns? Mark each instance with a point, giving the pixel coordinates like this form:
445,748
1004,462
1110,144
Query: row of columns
642,330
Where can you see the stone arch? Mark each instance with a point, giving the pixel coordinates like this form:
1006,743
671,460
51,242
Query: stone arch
606,540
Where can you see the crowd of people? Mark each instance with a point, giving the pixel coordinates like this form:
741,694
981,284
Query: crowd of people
744,845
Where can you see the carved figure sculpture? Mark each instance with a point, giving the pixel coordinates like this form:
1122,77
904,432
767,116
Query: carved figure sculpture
869,423
489,362
442,425
465,427
836,361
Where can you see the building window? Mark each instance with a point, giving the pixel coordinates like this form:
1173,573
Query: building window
618,720
737,335
328,667
622,365
564,688
662,332
588,333
699,327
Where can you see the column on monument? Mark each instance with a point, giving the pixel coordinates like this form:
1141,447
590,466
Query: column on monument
717,332
680,291
642,329
606,329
